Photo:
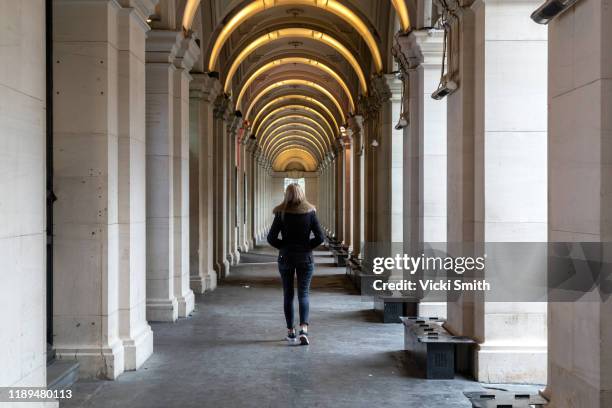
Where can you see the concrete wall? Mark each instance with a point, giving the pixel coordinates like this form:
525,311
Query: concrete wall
22,203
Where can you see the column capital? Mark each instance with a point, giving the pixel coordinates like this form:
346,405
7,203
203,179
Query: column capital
406,51
234,122
379,94
221,110
142,8
203,86
187,53
162,46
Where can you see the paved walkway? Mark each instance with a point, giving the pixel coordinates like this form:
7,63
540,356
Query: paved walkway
230,353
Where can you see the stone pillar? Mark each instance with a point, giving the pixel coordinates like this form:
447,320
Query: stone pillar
161,47
508,180
22,179
252,196
134,330
579,171
243,245
419,55
232,201
340,174
348,196
389,164
356,130
248,170
220,192
186,55
461,181
203,92
86,154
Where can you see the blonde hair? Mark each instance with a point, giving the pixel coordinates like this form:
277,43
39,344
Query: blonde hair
294,196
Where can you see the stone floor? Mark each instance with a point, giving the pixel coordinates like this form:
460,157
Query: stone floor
231,353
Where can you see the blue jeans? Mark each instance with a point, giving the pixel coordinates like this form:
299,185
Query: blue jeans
304,271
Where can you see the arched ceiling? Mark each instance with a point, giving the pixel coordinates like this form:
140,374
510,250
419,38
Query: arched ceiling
296,69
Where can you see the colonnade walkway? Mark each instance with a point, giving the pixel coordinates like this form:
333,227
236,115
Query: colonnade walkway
230,352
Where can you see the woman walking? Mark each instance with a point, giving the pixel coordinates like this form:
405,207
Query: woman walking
295,219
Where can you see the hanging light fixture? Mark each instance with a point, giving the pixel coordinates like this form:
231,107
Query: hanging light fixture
402,122
446,86
403,119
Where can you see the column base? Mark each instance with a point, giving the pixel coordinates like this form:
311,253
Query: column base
186,304
138,349
95,361
230,258
197,284
250,245
499,363
222,269
162,310
211,281
236,256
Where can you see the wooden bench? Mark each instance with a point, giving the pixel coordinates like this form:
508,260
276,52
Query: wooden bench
431,346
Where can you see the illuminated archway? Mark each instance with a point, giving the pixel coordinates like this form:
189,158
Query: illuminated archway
296,143
302,110
285,61
301,131
264,138
298,82
303,156
332,6
289,133
295,119
304,98
291,33
290,137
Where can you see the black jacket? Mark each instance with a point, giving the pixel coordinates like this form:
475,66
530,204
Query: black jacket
295,225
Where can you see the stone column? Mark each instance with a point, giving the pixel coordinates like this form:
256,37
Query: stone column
460,160
348,196
356,131
579,180
220,192
509,180
161,47
340,174
186,55
134,330
388,174
86,154
203,92
243,245
252,198
23,239
232,201
419,55
249,170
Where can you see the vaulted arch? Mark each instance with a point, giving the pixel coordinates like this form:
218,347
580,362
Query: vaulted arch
302,110
332,6
296,119
304,157
301,100
290,60
298,82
